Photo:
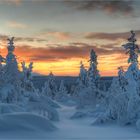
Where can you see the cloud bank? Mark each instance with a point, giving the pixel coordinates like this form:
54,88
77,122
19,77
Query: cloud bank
109,6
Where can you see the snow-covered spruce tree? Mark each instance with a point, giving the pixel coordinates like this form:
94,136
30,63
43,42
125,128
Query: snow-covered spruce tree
2,60
81,81
27,77
50,87
122,79
27,88
124,102
11,69
117,98
119,83
62,94
11,76
133,76
12,89
83,73
93,72
91,89
132,50
80,87
93,78
87,88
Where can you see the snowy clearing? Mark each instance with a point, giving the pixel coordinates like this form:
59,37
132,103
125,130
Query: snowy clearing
68,129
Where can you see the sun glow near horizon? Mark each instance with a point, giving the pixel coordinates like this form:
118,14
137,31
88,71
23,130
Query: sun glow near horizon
71,67
56,35
107,64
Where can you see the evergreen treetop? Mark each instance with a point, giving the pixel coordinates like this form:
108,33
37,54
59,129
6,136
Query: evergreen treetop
132,49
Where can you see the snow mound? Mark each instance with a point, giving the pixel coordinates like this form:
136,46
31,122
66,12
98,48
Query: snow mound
25,122
44,109
101,120
138,124
78,115
9,108
69,102
49,101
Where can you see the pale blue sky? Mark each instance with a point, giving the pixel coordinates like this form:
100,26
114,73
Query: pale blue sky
48,15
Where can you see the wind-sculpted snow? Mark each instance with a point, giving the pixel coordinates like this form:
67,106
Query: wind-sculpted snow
27,126
78,115
25,122
45,107
10,108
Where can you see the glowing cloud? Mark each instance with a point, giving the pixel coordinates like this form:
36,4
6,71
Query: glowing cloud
14,24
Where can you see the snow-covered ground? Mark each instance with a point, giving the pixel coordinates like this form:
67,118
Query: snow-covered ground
68,129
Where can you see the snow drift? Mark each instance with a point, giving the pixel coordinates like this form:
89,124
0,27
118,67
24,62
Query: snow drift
25,122
10,108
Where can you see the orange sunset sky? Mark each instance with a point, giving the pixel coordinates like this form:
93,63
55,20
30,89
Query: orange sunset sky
57,34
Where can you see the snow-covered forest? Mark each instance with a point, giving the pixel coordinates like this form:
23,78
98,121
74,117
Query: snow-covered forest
85,111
